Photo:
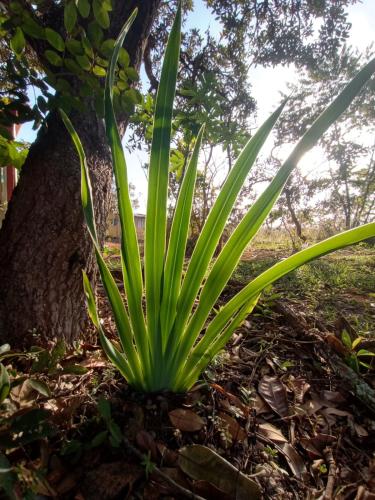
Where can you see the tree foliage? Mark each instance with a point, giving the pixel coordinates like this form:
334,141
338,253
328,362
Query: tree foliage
271,32
60,51
215,81
347,148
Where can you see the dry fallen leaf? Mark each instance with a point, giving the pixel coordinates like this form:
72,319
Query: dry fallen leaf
260,405
233,410
168,457
110,480
332,397
360,430
186,420
147,443
337,412
160,487
67,483
299,386
273,392
315,445
295,462
336,344
364,494
312,406
232,426
209,491
94,362
202,463
234,400
272,433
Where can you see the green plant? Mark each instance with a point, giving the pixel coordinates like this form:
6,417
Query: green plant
148,465
113,430
164,348
4,383
272,452
353,358
14,151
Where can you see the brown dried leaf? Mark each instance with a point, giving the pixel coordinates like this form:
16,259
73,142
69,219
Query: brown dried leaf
209,491
360,430
234,400
235,430
67,483
202,463
168,457
333,397
315,446
273,392
337,412
299,386
94,362
111,479
147,443
330,415
56,470
186,420
261,406
24,394
233,410
163,487
364,494
336,344
153,491
295,462
272,433
43,488
312,406
63,408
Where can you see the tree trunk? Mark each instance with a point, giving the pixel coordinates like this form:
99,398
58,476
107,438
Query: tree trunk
294,217
43,241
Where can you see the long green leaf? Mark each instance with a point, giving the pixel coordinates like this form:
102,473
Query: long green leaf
121,318
177,243
205,350
156,216
86,190
216,221
119,361
116,357
112,291
132,272
278,271
90,300
246,230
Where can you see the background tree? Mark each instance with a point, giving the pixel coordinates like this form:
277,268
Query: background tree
43,244
346,187
352,171
297,205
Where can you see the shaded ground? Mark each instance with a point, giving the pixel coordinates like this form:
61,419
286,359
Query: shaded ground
280,404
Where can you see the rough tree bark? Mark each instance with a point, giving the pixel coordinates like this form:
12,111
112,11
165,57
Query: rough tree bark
43,240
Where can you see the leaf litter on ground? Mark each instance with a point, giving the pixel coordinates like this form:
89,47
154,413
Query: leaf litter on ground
271,409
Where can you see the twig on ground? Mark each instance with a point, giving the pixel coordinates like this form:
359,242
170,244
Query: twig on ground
328,494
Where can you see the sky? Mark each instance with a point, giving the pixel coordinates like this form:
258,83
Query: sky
267,83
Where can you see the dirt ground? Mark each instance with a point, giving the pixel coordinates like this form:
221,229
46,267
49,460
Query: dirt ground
286,411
